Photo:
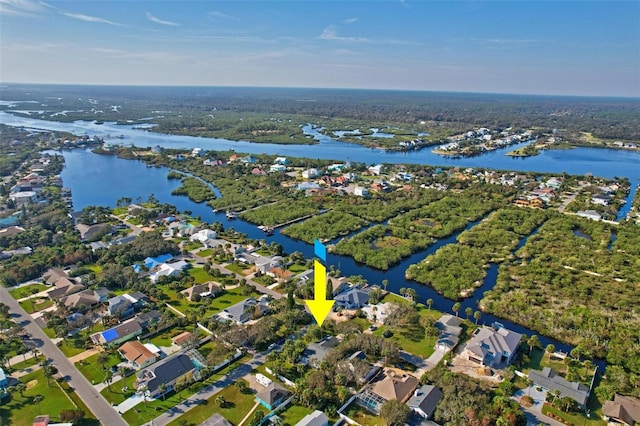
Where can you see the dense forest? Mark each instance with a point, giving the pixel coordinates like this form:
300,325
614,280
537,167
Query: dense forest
177,108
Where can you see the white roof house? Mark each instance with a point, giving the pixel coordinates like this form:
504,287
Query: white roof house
203,235
168,269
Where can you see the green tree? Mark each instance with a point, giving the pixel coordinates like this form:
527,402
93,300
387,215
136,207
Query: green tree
476,316
456,307
550,348
220,401
395,413
385,283
533,342
36,400
468,311
429,303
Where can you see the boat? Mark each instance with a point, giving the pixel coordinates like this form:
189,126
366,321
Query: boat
232,215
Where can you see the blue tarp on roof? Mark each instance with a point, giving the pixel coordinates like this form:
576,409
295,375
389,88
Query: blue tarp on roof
150,262
109,335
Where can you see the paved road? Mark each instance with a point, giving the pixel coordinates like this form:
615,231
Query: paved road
206,393
87,393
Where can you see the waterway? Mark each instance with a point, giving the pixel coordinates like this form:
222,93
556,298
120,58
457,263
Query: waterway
101,180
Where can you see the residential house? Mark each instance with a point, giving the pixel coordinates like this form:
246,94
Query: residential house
282,275
4,382
244,311
377,313
203,235
10,231
120,307
88,232
23,198
275,168
257,171
310,173
208,289
183,339
493,347
394,385
249,159
450,331
147,319
360,191
137,354
63,288
216,420
304,277
168,270
424,400
118,334
307,186
601,199
623,410
271,396
152,262
352,299
41,420
549,380
317,418
589,214
281,160
137,299
265,263
159,378
338,284
81,300
376,170
316,352
53,275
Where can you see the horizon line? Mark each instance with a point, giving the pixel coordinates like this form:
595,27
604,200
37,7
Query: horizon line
2,83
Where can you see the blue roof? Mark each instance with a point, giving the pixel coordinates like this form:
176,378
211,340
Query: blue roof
150,262
109,335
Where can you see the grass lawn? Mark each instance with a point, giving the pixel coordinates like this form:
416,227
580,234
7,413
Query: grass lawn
68,349
50,332
192,246
116,395
236,407
36,304
293,414
200,275
578,418
95,268
20,292
362,416
23,364
93,370
205,252
296,269
21,410
238,268
228,298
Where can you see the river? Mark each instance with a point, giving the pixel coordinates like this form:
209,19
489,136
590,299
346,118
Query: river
101,180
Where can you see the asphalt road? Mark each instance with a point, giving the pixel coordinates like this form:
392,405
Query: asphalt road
85,391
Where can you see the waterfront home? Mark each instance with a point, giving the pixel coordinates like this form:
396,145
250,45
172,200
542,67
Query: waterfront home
549,380
352,299
376,170
281,160
377,313
623,410
88,232
272,396
492,347
137,354
203,235
168,270
424,400
277,168
601,199
310,173
589,214
450,331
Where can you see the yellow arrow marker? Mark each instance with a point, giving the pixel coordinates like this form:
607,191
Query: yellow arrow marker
319,306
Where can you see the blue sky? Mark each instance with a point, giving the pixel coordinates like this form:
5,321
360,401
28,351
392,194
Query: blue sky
542,47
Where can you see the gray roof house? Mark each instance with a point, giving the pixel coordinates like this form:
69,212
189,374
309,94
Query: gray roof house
245,310
623,409
318,351
120,306
216,420
450,330
165,372
352,299
272,395
317,418
424,400
550,380
493,347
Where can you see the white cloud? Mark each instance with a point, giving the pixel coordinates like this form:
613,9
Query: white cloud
20,7
350,20
161,21
89,18
331,33
216,14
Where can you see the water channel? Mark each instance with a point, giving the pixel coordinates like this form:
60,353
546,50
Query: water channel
101,180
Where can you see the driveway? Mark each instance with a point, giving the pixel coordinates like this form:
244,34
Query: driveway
85,391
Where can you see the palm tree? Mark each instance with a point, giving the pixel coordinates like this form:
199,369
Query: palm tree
385,283
476,316
456,307
533,342
468,312
103,357
163,390
20,388
528,382
429,303
220,401
122,371
108,378
412,294
48,371
37,400
550,348
403,291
